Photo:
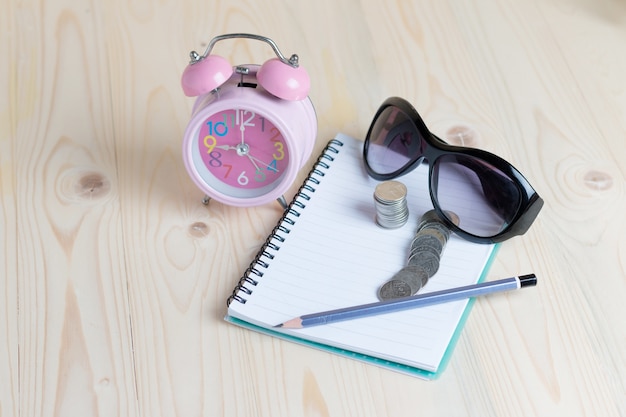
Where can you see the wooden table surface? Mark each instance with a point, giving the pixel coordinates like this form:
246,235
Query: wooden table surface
114,276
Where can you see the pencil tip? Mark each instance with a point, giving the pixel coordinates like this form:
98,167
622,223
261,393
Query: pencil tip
291,324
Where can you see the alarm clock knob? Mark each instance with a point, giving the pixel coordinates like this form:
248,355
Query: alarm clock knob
204,75
288,82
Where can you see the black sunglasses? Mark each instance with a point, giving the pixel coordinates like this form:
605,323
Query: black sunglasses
490,198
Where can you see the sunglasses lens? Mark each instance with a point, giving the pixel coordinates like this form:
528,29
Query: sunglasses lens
393,142
484,198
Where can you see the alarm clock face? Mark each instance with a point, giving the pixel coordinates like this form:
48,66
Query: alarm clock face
240,153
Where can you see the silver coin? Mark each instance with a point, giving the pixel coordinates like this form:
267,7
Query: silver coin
391,223
390,191
427,253
432,216
427,260
394,288
452,216
441,236
399,210
436,228
394,218
435,224
427,240
414,275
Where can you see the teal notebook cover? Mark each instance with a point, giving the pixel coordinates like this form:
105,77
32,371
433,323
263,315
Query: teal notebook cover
285,277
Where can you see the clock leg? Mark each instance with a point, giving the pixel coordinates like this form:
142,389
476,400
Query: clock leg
281,200
205,200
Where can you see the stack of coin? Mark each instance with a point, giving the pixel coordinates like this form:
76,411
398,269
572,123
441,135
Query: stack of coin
423,260
428,243
391,207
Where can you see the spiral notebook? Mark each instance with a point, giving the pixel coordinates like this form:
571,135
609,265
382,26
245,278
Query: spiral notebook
327,252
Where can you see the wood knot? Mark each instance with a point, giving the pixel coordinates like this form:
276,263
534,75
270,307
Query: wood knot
199,229
462,136
92,185
78,185
598,180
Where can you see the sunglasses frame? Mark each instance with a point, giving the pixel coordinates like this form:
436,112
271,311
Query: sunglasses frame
530,203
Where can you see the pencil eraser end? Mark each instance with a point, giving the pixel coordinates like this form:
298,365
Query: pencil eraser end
529,280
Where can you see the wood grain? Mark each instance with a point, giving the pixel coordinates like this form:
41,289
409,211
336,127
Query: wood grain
115,276
9,347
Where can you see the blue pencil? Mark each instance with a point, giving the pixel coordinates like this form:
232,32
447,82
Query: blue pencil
414,301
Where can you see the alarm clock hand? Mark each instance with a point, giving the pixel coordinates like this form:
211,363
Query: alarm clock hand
226,147
242,128
253,159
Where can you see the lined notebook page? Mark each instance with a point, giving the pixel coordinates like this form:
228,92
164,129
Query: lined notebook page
334,255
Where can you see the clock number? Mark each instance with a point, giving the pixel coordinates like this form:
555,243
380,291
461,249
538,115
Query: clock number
275,135
219,129
229,119
259,175
240,119
273,166
229,168
242,179
209,142
280,149
215,161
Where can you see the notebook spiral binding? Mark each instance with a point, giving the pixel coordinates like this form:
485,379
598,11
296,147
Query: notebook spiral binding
273,242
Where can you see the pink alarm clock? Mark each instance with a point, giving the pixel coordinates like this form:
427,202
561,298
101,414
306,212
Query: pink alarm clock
253,127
